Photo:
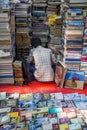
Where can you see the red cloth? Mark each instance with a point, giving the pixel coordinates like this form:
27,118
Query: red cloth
39,87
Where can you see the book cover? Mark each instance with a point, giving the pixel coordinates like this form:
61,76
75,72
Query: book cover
74,79
55,110
75,127
63,126
60,74
2,95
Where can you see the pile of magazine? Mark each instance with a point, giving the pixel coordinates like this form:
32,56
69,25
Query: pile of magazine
43,111
6,55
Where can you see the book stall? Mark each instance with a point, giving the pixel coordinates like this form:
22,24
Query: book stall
61,26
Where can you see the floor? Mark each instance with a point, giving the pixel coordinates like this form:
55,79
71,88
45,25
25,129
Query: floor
39,87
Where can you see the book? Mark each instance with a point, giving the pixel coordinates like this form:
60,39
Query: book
74,79
60,73
75,127
63,126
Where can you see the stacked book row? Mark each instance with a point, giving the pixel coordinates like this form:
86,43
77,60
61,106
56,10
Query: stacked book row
22,20
6,56
18,73
52,11
73,38
78,3
84,51
43,111
40,29
55,22
74,35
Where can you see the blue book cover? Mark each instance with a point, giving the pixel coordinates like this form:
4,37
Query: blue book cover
83,97
55,110
74,79
75,23
74,10
7,76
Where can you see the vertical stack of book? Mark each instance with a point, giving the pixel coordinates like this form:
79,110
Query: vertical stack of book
78,3
18,73
84,52
22,30
12,15
53,9
1,4
73,38
40,28
6,57
58,27
55,22
12,7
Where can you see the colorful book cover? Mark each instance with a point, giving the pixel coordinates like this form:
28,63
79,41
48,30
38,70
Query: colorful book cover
46,96
61,115
60,74
2,95
55,126
28,96
67,97
55,110
70,104
63,120
59,96
63,126
47,126
75,127
74,79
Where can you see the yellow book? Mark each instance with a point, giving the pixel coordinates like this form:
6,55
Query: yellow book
13,114
63,126
28,96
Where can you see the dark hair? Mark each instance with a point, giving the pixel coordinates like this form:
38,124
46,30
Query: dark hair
35,42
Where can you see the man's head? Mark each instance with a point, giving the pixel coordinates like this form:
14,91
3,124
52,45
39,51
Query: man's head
35,42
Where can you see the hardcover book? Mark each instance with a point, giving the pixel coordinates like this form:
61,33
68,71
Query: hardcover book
60,73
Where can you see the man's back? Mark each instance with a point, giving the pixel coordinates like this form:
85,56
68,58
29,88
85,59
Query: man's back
42,58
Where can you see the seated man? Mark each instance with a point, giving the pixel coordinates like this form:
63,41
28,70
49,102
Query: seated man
41,61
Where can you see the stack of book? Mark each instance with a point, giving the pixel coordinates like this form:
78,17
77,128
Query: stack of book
55,22
6,57
83,66
53,10
73,28
58,26
39,9
40,28
18,72
12,7
12,15
1,4
43,111
23,51
22,14
78,3
53,7
56,47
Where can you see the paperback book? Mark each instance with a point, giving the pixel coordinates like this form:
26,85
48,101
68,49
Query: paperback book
60,73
